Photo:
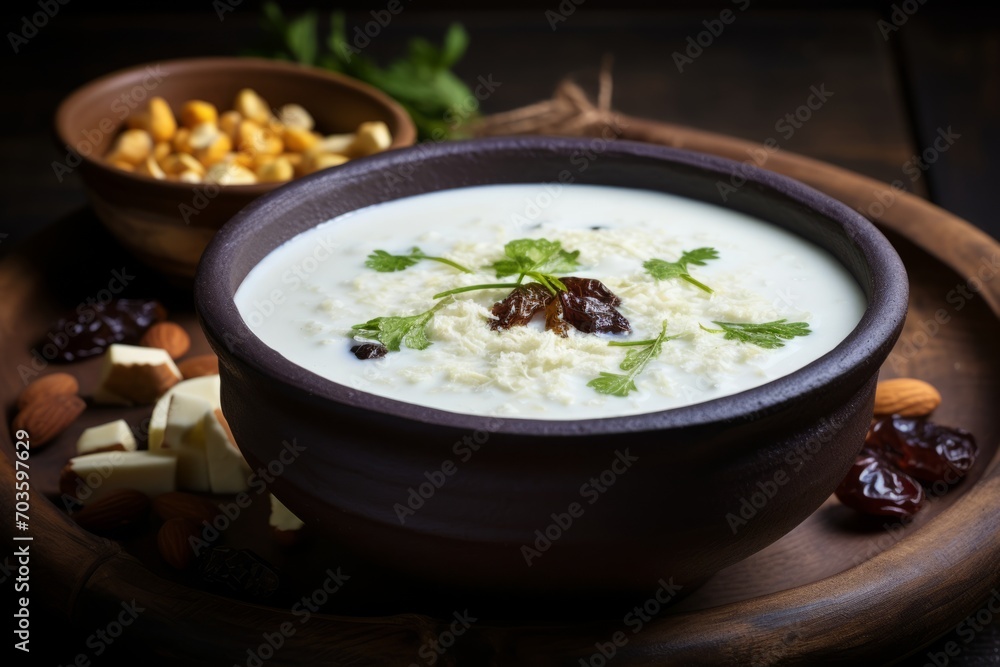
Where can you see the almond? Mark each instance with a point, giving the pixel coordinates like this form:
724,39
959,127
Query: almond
907,397
180,505
174,544
47,417
116,510
167,336
56,384
203,364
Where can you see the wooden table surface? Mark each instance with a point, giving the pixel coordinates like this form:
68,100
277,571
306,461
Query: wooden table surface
885,101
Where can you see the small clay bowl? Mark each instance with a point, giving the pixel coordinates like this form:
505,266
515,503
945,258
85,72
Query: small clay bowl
768,456
167,224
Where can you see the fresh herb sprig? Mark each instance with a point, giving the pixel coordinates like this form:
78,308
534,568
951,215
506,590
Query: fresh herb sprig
538,259
663,270
421,80
394,331
384,262
616,384
768,335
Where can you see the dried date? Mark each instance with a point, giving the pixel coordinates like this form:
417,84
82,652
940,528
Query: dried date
591,315
925,450
520,306
874,486
88,331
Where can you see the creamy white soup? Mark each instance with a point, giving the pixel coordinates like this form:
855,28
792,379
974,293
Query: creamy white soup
715,302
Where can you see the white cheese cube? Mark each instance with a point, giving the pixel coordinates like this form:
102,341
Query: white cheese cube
116,435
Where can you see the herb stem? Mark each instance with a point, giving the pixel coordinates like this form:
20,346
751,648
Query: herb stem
699,285
631,343
473,288
450,263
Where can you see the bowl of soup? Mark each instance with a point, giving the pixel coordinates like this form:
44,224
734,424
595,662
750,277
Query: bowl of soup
507,366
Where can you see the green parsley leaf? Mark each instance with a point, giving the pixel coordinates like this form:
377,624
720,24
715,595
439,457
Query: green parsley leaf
382,261
421,80
636,360
527,256
538,259
395,331
768,335
663,270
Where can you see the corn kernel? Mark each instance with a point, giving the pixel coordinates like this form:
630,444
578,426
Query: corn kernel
229,122
255,138
182,141
198,112
293,115
162,124
161,150
278,169
320,161
371,138
149,167
336,143
215,151
298,140
252,106
228,173
189,176
176,163
132,146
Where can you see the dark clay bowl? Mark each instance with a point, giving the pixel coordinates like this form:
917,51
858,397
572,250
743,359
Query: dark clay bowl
167,224
687,492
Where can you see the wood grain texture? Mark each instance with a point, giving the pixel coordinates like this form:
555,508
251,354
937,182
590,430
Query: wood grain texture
901,596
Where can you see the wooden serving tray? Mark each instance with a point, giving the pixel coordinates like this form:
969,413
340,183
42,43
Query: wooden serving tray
836,589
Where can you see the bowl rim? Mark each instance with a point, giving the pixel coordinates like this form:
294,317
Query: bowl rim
858,355
405,136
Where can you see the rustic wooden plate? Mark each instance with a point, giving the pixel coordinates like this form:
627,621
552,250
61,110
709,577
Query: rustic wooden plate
836,588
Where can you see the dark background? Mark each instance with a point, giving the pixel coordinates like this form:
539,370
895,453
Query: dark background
939,70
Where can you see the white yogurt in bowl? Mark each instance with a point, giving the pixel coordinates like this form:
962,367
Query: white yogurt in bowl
304,298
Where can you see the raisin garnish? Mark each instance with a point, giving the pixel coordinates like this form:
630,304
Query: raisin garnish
927,451
89,330
875,486
369,351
